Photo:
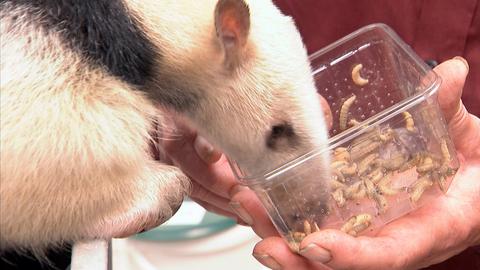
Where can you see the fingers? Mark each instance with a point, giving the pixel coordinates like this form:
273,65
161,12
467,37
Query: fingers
206,151
217,178
333,249
342,251
274,253
217,210
464,128
453,73
327,113
247,205
199,193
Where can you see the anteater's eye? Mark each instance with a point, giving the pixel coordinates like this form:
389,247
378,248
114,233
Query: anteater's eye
279,132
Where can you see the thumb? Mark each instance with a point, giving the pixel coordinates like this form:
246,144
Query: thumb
463,127
343,251
453,73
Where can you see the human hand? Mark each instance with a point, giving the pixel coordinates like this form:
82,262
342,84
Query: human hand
213,184
215,188
427,236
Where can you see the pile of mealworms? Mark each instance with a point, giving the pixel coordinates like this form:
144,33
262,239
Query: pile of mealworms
359,171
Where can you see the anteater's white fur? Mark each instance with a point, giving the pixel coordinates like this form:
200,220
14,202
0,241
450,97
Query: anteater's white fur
75,159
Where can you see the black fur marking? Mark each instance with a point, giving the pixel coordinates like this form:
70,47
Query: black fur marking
282,132
102,30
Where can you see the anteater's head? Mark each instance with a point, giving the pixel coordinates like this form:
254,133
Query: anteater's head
240,73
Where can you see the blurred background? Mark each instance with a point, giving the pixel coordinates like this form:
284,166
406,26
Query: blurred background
192,239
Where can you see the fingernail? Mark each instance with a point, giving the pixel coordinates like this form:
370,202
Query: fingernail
205,150
241,212
463,61
268,261
316,253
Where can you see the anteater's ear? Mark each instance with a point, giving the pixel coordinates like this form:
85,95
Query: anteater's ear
232,23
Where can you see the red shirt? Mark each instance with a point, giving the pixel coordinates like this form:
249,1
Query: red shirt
436,29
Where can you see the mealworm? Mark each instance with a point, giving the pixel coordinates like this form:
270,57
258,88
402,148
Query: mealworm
363,148
384,186
393,163
334,184
409,124
350,170
298,236
353,189
417,189
381,202
410,163
348,226
339,197
344,112
365,163
357,224
338,164
341,154
441,181
445,153
370,135
338,174
387,135
356,77
360,193
370,188
353,122
307,228
427,165
363,218
376,175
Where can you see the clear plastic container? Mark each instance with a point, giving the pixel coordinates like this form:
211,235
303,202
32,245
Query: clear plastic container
389,147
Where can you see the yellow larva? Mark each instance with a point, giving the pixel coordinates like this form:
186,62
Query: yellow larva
442,181
335,184
356,77
315,227
381,202
348,226
341,154
363,148
411,163
393,163
338,175
386,135
370,188
338,164
375,175
349,170
385,188
419,187
344,112
357,224
365,163
427,165
445,153
355,190
307,228
298,236
360,193
353,122
339,197
409,124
